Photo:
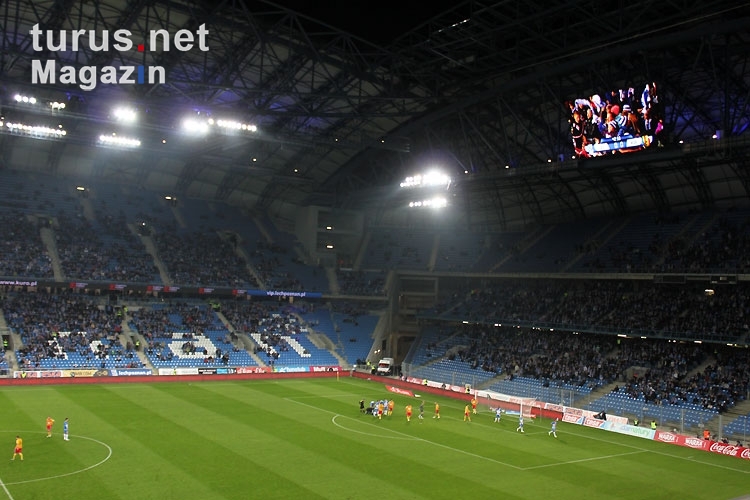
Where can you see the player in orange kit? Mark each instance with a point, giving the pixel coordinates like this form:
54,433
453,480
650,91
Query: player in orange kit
18,450
50,421
408,413
474,405
467,414
437,411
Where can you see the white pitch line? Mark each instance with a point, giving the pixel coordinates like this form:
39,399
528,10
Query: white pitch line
10,497
640,449
413,437
689,459
380,436
109,454
591,459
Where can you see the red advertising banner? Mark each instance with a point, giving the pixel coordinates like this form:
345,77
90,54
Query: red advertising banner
729,449
703,444
253,369
570,418
593,422
318,369
398,390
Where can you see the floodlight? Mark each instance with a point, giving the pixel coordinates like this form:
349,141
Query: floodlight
124,142
436,202
233,125
125,115
433,178
24,99
36,131
195,126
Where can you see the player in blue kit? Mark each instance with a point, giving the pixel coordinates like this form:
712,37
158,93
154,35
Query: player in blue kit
65,429
553,430
520,424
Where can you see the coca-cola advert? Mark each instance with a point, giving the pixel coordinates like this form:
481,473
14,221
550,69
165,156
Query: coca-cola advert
703,444
729,449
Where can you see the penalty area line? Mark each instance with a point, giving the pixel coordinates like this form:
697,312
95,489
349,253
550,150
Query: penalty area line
591,459
5,489
414,438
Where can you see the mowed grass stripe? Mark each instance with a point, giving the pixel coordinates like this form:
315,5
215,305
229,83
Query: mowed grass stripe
51,458
464,457
275,437
306,438
371,455
340,463
224,453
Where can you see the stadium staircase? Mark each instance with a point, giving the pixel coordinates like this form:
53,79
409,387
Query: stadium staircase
128,335
524,245
15,343
593,239
242,253
262,229
583,401
148,243
434,252
179,217
249,345
333,281
737,411
690,238
48,238
88,210
362,251
322,341
246,343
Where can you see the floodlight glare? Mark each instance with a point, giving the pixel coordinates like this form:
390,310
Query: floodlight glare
124,115
36,131
24,99
124,142
433,178
436,202
195,126
233,125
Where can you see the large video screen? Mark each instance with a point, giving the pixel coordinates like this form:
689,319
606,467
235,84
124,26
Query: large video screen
619,120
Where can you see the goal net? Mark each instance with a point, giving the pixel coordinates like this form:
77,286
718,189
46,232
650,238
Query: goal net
510,405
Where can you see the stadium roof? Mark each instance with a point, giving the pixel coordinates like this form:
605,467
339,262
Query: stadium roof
345,108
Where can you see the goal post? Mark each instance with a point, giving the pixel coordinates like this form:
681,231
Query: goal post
526,406
511,405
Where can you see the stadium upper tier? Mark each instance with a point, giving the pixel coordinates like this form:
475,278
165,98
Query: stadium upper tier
107,232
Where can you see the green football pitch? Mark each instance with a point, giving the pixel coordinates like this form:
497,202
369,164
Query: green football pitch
306,439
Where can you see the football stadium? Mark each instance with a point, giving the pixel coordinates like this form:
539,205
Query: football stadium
258,249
